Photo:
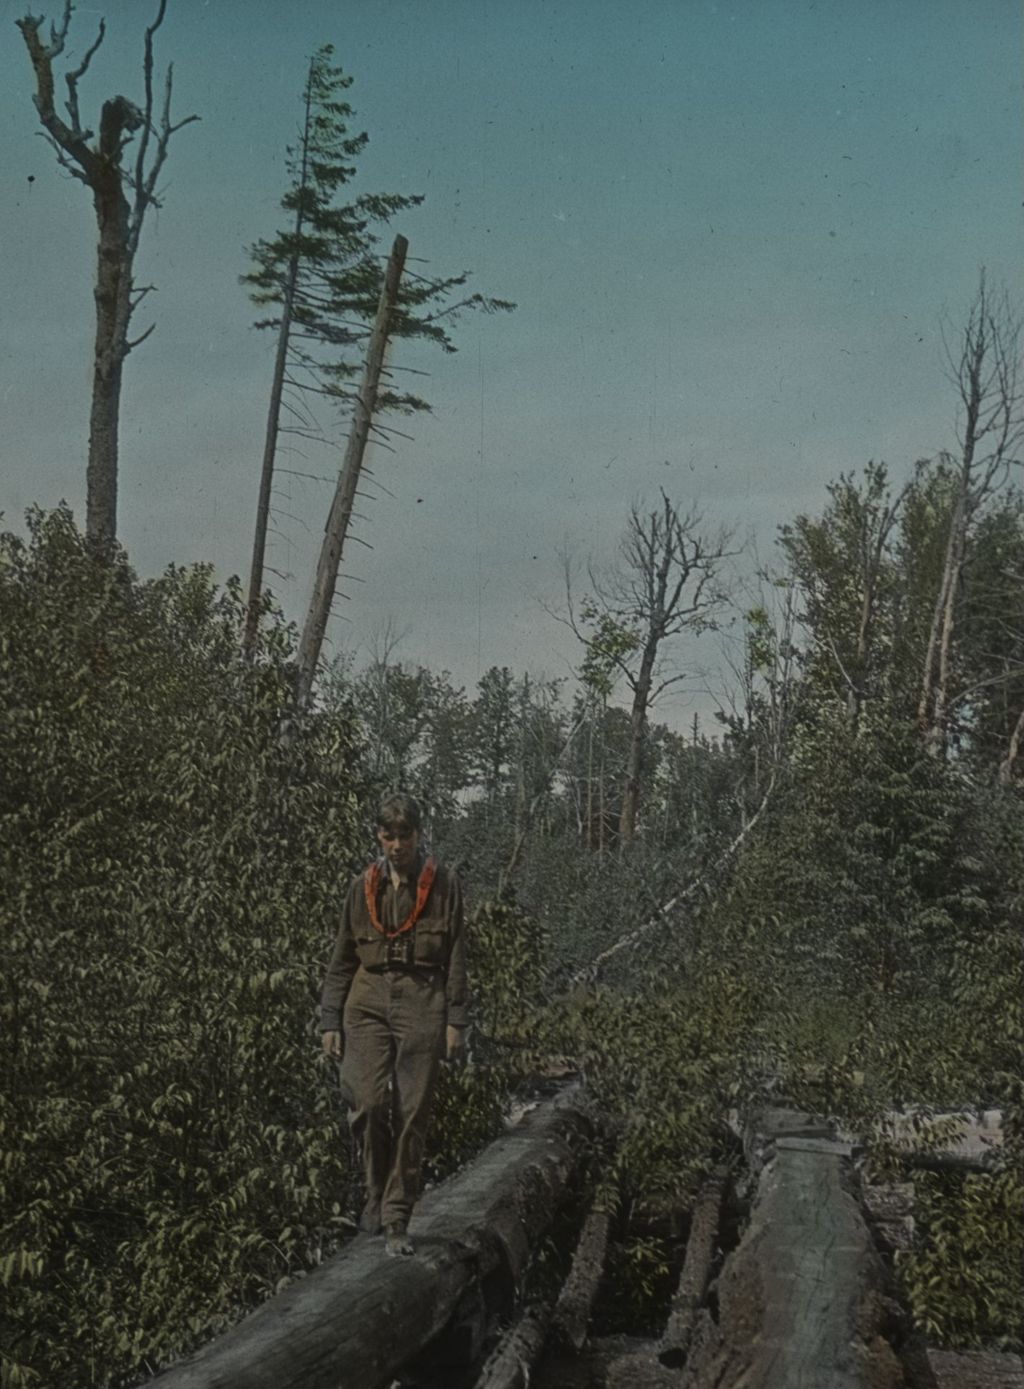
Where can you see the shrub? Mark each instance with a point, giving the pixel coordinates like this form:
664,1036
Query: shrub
170,1149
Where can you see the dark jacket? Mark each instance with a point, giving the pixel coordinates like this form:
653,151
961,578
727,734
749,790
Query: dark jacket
437,941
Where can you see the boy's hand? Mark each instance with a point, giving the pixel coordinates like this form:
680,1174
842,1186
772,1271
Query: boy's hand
455,1043
331,1043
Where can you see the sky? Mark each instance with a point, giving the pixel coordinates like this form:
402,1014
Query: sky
732,231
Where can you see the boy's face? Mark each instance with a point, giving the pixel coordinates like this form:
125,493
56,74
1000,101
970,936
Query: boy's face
400,845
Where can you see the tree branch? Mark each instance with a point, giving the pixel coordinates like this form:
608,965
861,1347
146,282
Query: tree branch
72,79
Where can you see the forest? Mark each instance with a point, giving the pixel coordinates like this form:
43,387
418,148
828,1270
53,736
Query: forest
820,893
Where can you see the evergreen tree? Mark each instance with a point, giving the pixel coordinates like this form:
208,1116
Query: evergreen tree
494,728
321,281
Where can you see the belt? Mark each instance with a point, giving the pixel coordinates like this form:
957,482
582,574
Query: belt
402,969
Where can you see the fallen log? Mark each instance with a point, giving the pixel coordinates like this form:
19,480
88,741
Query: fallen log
975,1369
800,1301
959,1141
693,1281
950,1162
511,1363
355,1320
611,1362
572,1311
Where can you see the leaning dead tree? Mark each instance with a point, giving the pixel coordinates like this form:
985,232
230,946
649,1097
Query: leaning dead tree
340,515
984,366
122,190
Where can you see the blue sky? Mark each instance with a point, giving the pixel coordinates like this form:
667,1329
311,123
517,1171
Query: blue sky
732,231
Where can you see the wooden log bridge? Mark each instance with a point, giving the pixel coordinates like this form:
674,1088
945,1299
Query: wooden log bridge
801,1301
355,1320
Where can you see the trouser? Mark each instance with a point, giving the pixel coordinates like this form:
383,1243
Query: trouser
394,1032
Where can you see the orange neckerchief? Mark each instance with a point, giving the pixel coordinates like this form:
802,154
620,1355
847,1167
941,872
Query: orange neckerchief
371,884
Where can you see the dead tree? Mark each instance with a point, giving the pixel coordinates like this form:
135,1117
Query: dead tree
122,191
984,368
693,1281
667,583
572,1311
340,515
1009,762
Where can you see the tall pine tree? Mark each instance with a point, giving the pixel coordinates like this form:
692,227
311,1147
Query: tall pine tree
321,280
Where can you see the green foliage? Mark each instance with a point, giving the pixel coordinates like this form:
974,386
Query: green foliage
171,1147
886,889
637,1286
508,961
964,1276
469,1110
322,277
866,862
663,1062
608,644
848,579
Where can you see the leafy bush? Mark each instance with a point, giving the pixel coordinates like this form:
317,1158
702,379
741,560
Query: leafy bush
964,1277
508,959
170,868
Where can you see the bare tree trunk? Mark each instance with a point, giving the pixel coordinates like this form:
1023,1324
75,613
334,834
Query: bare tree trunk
987,378
931,709
511,1362
102,168
340,515
1009,762
112,297
259,545
938,731
590,783
637,741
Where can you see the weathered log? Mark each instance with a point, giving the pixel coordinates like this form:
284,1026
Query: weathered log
800,1301
638,1367
572,1311
511,1363
355,1320
975,1369
693,1281
950,1162
613,1362
965,1133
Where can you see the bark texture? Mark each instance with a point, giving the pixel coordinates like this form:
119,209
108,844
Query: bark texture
572,1312
693,1281
975,1369
800,1301
511,1364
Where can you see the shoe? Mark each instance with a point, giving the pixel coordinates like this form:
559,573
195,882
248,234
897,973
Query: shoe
396,1241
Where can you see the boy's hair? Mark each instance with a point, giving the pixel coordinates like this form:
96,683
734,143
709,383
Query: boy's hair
398,814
